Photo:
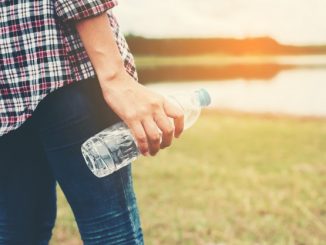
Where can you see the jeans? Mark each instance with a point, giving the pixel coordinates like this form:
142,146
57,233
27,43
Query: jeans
45,150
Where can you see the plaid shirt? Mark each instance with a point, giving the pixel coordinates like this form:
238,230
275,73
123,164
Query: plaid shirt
41,51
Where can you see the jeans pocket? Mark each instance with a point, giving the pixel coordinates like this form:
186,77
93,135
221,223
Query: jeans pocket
73,115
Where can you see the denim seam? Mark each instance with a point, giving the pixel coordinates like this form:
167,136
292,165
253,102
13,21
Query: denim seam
129,211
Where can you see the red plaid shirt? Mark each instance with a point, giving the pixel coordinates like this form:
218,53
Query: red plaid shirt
41,51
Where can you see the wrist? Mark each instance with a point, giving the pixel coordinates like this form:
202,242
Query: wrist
109,72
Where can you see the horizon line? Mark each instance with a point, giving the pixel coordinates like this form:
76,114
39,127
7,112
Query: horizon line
240,38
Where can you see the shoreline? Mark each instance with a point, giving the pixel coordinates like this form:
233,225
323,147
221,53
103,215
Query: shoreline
144,61
263,115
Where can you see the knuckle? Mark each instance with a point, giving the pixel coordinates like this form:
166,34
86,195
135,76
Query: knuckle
155,138
144,149
130,115
141,110
142,139
155,103
170,130
180,115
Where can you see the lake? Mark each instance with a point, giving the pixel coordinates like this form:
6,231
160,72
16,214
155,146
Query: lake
299,90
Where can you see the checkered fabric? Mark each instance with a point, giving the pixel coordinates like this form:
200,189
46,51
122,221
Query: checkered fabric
41,51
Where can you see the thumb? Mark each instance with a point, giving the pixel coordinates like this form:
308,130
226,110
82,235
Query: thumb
175,111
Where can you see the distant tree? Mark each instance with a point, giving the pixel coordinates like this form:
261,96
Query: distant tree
203,46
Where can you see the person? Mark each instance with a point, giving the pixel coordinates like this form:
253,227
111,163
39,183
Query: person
66,73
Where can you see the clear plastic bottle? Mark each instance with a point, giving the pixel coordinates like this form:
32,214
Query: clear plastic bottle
115,146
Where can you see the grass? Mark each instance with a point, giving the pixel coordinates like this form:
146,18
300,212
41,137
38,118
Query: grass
231,180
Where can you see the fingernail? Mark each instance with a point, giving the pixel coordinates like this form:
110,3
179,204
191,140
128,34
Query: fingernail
146,153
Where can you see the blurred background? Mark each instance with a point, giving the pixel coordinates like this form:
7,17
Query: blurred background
252,170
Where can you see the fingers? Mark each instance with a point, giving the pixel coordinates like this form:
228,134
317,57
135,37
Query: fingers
139,133
176,113
152,127
153,135
166,127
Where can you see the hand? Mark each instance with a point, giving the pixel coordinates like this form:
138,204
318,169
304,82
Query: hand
146,113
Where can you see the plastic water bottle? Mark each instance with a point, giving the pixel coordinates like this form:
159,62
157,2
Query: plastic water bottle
115,146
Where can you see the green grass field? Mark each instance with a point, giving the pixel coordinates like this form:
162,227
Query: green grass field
231,179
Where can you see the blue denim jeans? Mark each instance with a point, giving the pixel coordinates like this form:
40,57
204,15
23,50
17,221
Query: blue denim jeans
46,150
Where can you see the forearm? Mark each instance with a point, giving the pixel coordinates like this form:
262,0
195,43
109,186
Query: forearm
144,111
101,47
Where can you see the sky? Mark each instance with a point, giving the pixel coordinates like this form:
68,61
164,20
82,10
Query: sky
288,21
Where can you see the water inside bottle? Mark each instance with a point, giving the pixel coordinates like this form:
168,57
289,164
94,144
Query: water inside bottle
110,150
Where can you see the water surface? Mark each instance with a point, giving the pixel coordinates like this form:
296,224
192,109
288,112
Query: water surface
300,92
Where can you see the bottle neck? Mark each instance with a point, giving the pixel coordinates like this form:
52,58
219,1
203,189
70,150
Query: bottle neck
203,97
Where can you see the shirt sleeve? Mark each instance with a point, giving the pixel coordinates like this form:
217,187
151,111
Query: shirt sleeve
73,10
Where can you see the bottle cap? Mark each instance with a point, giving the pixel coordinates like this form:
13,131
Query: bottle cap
204,97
